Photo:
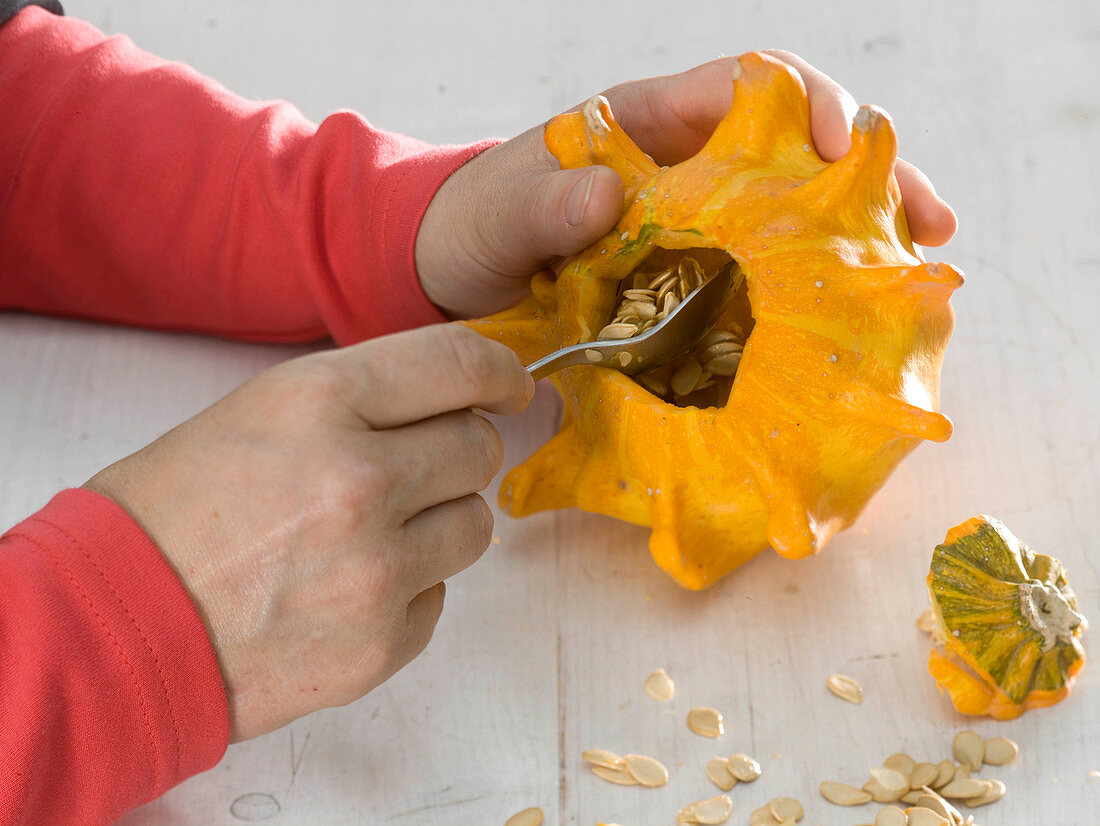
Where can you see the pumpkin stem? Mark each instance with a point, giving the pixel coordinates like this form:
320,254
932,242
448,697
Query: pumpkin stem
1047,611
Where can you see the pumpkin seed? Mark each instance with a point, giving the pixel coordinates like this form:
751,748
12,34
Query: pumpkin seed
725,365
963,789
528,817
912,797
616,331
924,774
879,793
659,686
786,808
968,748
900,762
763,817
716,337
719,773
646,770
743,767
844,795
712,810
920,816
602,757
945,774
642,294
935,804
845,688
926,622
653,384
891,816
938,803
994,791
593,355
669,303
619,776
721,348
999,750
892,782
684,379
961,772
706,722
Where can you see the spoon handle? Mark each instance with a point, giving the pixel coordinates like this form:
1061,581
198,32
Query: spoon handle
560,359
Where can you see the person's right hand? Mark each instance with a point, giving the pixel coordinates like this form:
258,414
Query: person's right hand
313,514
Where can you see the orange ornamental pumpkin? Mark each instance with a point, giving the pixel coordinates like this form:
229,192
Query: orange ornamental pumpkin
838,329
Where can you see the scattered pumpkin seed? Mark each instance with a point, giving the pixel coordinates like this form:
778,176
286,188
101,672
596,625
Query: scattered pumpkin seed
719,773
879,793
891,816
528,817
844,795
923,774
706,722
934,803
743,767
900,762
920,816
620,777
646,770
999,750
963,789
968,748
994,791
945,774
712,810
912,797
659,686
845,688
763,817
961,772
786,808
926,622
893,782
602,757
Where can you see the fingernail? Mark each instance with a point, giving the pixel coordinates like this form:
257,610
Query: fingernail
577,203
528,387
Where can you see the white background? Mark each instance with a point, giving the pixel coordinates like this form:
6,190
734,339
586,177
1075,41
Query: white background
544,645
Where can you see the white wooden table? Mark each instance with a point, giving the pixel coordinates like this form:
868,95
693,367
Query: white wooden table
544,645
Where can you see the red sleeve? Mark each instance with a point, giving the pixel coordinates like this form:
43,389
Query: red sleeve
136,190
110,691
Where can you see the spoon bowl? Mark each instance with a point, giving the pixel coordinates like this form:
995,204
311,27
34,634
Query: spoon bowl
673,336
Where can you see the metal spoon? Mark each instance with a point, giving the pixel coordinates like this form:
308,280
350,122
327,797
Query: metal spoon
676,333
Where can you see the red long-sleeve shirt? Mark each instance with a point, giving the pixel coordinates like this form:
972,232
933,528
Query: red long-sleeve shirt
135,190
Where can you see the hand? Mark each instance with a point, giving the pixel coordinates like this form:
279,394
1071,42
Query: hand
512,211
313,513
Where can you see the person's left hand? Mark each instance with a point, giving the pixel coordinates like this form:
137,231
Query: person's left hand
512,210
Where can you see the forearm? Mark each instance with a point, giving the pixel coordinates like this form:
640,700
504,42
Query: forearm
135,190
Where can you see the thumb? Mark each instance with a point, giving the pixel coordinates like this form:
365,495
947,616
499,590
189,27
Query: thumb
557,214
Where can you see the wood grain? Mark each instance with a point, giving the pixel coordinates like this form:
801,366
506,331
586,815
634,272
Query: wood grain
545,644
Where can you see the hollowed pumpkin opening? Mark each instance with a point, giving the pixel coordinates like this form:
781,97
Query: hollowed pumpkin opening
704,376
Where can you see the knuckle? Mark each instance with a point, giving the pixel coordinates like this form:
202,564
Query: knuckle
346,490
487,447
481,523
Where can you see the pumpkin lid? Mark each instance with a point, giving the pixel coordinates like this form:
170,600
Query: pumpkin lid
1007,620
